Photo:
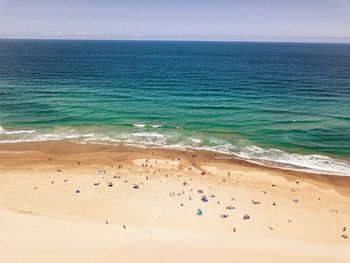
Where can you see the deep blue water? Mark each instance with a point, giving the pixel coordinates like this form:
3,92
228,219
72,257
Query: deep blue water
281,102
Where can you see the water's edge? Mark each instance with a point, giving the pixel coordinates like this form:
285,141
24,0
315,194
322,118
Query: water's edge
273,158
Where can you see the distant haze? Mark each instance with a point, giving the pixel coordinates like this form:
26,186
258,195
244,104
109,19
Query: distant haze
244,20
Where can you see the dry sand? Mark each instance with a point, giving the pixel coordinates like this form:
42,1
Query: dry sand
66,202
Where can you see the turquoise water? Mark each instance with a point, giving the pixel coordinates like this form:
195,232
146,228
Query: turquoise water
276,103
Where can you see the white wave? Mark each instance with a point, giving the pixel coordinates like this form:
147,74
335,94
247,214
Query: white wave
277,158
3,131
315,163
93,137
89,135
148,138
141,125
18,140
102,139
269,157
148,134
44,137
223,148
17,132
196,140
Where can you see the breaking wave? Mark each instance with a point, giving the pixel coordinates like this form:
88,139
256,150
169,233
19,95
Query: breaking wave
255,154
141,125
311,163
3,131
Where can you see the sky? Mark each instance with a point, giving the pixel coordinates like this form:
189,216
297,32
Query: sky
230,20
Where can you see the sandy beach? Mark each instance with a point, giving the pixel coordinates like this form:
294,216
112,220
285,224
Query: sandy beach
67,202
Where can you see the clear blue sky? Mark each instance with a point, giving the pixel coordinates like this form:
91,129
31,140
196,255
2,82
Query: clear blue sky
280,20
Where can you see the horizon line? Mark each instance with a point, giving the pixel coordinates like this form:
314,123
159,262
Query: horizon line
184,40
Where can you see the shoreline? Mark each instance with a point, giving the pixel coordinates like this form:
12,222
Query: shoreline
273,164
56,196
310,162
42,146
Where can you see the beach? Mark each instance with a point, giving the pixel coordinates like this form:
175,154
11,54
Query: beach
68,202
174,131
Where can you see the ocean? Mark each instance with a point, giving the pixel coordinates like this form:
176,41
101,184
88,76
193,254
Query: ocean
280,104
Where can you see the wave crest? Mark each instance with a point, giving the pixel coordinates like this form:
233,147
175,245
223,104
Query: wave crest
312,162
3,131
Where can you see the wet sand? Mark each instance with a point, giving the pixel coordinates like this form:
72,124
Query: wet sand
66,202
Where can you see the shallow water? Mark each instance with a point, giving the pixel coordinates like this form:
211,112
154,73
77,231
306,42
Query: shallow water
278,103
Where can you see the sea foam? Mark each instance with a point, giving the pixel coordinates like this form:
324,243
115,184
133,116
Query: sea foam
312,162
3,131
269,157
